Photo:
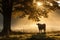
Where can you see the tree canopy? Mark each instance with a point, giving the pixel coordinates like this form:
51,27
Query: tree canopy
28,7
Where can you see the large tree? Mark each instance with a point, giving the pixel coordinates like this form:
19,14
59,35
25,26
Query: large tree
6,12
28,7
25,6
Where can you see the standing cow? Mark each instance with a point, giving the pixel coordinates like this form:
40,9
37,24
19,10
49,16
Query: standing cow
42,28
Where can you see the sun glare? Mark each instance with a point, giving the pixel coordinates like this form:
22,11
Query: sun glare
39,3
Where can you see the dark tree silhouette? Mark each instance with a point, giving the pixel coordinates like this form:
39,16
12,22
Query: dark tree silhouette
29,8
7,9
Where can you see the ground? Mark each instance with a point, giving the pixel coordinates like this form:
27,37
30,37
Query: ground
29,36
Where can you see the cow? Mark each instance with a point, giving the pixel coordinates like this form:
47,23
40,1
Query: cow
42,27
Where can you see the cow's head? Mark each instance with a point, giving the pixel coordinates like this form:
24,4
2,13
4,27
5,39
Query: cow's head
41,24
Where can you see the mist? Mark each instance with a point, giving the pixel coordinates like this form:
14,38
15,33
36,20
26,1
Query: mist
25,25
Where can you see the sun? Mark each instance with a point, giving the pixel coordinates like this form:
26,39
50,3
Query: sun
39,3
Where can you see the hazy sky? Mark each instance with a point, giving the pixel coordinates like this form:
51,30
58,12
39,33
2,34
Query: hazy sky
52,23
25,25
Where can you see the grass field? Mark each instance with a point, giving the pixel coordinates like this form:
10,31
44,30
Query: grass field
36,36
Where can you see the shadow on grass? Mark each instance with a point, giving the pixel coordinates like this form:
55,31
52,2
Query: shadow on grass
40,37
10,38
37,36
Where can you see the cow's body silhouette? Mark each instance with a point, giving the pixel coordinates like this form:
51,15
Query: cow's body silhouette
42,27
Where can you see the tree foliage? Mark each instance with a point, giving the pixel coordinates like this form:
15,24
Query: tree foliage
28,8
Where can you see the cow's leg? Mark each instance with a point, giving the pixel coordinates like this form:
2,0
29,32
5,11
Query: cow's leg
41,31
44,30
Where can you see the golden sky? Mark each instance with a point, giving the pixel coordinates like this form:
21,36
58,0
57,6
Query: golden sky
25,25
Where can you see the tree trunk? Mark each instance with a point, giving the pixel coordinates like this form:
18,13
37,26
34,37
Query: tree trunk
7,9
6,24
